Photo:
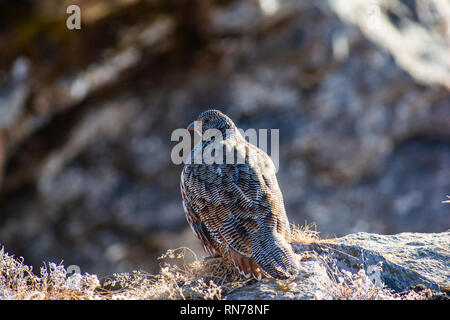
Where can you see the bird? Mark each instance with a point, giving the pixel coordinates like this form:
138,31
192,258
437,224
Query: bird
236,209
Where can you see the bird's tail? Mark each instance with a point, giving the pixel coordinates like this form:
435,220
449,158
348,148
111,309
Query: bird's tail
275,256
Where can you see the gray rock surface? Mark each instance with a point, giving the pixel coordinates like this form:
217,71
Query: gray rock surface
312,282
406,259
391,264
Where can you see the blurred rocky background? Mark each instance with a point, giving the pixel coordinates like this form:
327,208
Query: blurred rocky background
359,90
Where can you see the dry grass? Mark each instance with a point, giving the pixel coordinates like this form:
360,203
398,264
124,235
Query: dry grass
306,234
17,281
207,279
211,278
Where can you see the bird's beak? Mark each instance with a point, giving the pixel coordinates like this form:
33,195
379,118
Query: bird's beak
191,127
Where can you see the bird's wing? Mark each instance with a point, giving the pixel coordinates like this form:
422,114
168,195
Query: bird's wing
194,220
237,206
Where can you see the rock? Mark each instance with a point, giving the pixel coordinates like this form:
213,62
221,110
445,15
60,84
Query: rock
391,263
407,259
312,282
429,62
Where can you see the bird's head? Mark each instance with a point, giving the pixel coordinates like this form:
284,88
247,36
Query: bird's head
214,119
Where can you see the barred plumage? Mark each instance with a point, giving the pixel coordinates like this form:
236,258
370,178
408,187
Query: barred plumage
237,210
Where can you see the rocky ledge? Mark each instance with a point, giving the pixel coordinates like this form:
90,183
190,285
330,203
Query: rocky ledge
363,266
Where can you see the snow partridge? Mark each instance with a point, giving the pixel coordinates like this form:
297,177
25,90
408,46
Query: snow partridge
235,208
